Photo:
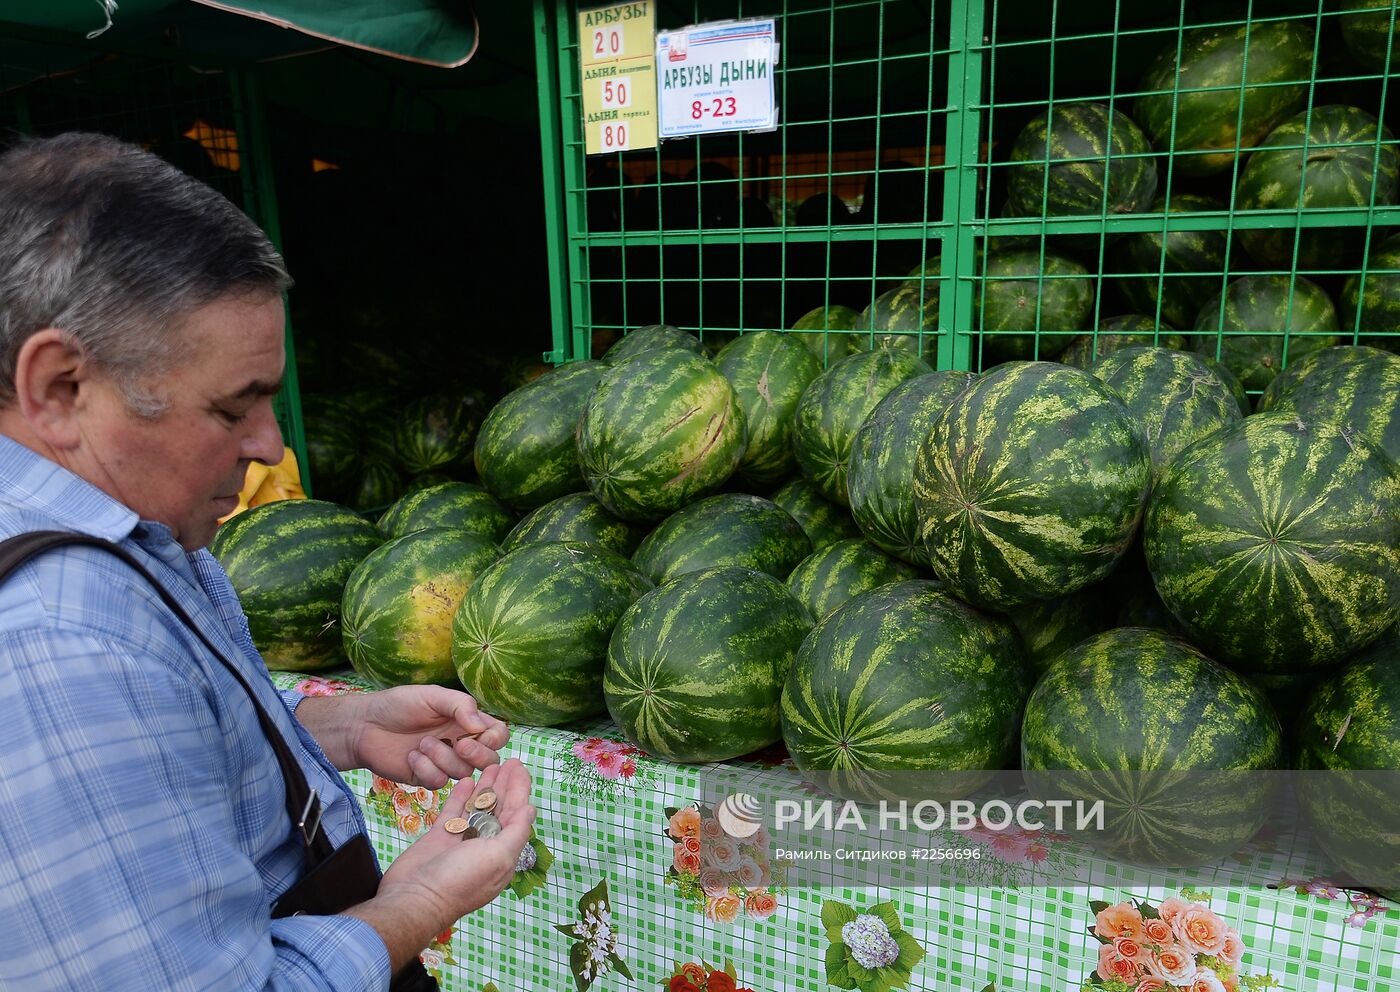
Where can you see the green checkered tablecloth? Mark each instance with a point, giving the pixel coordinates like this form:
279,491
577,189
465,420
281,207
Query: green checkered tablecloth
607,880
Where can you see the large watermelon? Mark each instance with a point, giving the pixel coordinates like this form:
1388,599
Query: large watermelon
1193,107
649,338
1115,334
696,667
456,505
288,562
903,317
526,454
532,635
1376,310
826,579
1099,163
333,444
1175,268
835,405
1031,485
1356,386
768,371
1131,711
576,517
1174,395
660,431
1277,544
880,480
1350,159
1050,627
1367,32
397,609
905,679
1022,294
817,329
1351,728
1255,310
727,529
823,521
437,432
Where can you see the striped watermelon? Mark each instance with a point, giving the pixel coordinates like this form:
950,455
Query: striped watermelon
332,444
1265,304
437,432
658,432
823,521
1174,395
826,579
768,371
378,485
526,454
902,679
1115,334
456,505
1353,385
1130,710
898,318
727,529
1377,310
1194,109
1031,485
696,667
1015,299
835,405
1048,628
1345,168
879,482
649,338
816,328
1099,162
1272,543
1367,31
397,609
576,517
532,635
288,562
1174,269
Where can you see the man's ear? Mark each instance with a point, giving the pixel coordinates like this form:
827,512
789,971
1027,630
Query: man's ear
50,372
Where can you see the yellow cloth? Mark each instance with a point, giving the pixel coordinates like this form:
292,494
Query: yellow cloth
264,484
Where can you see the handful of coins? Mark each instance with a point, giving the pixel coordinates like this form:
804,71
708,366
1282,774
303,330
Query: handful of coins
480,821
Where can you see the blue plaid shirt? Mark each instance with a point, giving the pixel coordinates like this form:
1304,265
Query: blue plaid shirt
143,824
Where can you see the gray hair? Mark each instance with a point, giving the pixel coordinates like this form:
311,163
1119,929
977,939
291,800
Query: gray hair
116,248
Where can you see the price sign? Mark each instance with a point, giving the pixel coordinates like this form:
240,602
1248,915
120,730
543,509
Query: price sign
618,67
717,77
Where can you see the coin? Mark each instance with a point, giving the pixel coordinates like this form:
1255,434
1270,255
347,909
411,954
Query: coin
485,800
456,825
489,827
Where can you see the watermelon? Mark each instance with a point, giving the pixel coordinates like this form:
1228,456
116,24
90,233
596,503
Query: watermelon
816,328
378,485
1099,162
288,562
649,338
437,432
427,481
835,405
526,454
1121,716
575,517
696,667
1232,383
1115,334
905,678
768,371
532,635
1345,167
1367,31
397,609
1353,385
898,319
1174,395
826,579
1193,107
1174,269
1015,299
1276,544
823,521
879,482
658,432
1050,627
457,505
1265,304
1352,724
726,529
1031,485
1377,309
333,447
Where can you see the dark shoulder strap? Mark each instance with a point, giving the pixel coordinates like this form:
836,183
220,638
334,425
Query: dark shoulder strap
303,806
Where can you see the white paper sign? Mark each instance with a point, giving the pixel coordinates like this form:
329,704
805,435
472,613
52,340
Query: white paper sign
717,77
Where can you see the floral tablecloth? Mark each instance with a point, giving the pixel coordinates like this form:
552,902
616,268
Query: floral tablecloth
614,893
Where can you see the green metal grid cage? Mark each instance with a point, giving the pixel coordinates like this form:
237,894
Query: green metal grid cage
901,131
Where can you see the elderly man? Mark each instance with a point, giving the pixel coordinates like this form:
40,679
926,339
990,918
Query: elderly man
147,764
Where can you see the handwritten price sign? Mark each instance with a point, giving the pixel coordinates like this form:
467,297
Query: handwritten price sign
717,77
618,70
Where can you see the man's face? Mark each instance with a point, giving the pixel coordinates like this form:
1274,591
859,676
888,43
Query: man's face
185,468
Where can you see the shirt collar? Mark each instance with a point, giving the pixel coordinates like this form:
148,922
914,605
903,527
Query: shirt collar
30,481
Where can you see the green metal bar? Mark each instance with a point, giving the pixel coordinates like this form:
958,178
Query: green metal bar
556,245
572,160
961,139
